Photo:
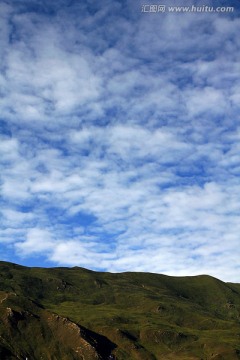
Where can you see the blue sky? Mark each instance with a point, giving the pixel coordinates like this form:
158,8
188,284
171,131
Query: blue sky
120,137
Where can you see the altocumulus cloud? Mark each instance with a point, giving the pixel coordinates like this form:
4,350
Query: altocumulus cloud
120,137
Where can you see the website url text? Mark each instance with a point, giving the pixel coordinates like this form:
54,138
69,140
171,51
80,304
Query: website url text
185,9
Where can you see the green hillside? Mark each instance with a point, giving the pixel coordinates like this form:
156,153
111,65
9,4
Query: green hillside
74,313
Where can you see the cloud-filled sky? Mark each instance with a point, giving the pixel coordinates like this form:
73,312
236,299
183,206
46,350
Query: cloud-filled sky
120,137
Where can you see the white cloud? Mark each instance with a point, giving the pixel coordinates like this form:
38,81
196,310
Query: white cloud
206,100
37,241
16,217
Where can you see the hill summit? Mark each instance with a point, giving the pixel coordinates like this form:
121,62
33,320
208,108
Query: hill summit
74,313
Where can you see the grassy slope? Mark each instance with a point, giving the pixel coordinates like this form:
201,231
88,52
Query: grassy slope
143,316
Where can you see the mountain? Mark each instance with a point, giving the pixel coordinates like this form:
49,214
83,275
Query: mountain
74,313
